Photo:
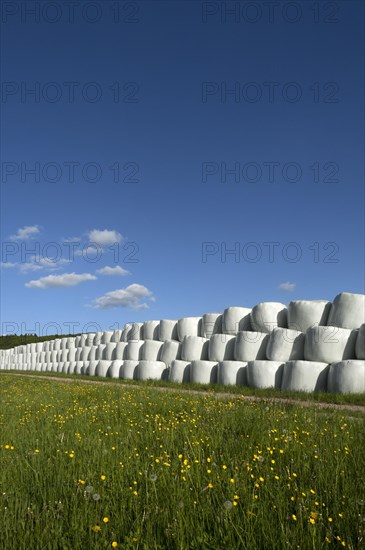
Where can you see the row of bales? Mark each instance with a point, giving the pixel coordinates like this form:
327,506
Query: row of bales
313,345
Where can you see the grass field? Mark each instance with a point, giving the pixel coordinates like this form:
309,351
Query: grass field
96,466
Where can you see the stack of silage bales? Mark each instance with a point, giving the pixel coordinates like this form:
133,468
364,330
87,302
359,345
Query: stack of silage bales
312,345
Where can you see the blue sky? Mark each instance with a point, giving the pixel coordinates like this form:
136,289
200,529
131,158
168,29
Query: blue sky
132,131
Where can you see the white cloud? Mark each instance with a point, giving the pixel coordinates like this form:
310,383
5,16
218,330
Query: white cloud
130,296
104,237
28,266
117,270
7,265
25,233
61,281
288,287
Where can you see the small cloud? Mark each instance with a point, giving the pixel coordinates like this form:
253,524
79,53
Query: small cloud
7,265
104,237
28,266
287,287
61,281
25,233
117,270
130,296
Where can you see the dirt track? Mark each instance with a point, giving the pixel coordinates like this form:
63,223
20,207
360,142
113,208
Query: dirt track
225,395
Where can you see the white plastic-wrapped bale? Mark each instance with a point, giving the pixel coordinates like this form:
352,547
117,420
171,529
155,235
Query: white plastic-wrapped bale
99,353
116,336
114,369
346,377
126,330
78,355
167,330
97,339
65,368
329,344
303,314
151,330
194,347
39,347
90,339
77,342
102,368
71,368
70,343
221,347
211,324
232,373
285,345
134,351
64,355
79,367
59,367
264,374
171,351
203,372
71,354
250,345
106,336
189,326
306,376
268,315
128,370
83,338
347,311
121,350
85,353
360,343
151,350
236,319
150,370
109,351
179,371
136,333
90,368
63,344
38,368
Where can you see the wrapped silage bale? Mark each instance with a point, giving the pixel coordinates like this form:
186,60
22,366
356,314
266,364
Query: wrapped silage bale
39,347
134,351
360,343
268,315
194,347
306,376
264,374
114,369
121,350
285,345
221,347
116,336
77,341
128,369
211,324
38,368
102,368
232,373
329,344
90,367
150,370
126,329
167,330
71,368
179,371
189,326
203,372
250,345
72,354
79,367
63,343
106,336
136,332
64,355
347,311
65,368
60,367
109,351
171,351
78,354
90,339
85,353
99,352
236,319
70,344
151,350
83,339
97,338
151,330
346,377
303,314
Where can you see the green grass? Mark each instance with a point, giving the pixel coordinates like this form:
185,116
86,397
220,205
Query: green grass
174,465
315,397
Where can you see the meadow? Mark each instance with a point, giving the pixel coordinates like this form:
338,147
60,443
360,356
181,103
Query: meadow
103,466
